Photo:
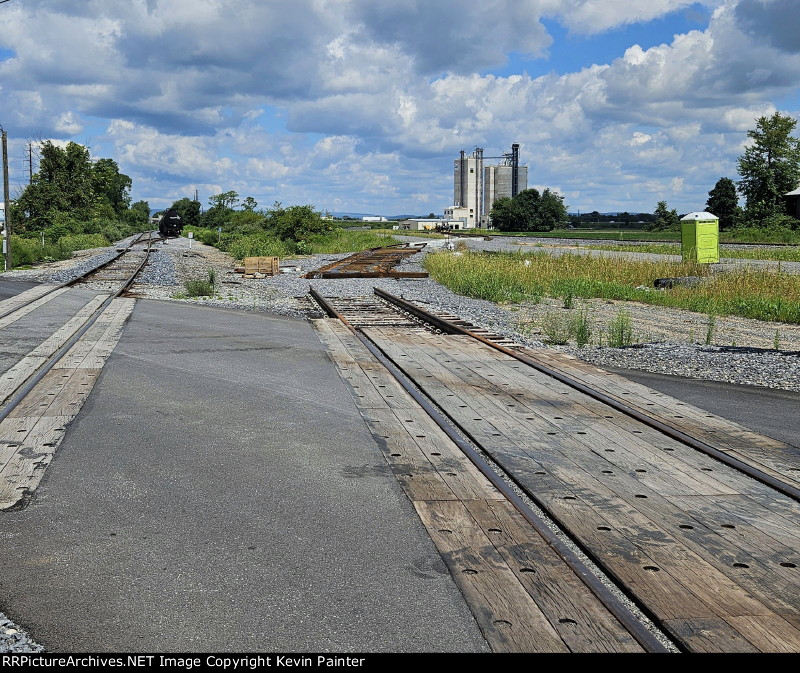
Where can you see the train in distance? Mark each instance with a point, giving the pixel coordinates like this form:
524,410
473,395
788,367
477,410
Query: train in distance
170,224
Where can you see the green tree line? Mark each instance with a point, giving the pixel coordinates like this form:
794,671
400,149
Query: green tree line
71,203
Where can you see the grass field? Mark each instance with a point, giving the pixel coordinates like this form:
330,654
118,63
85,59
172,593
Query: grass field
780,254
516,277
751,235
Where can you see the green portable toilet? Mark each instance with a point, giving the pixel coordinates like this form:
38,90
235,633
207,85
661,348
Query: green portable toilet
700,238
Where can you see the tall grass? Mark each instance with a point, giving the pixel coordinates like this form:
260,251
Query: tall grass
503,277
739,235
788,254
336,241
26,251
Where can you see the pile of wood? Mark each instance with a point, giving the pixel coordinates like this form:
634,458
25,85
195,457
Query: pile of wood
259,267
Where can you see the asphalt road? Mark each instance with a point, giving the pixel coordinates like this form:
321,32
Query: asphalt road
220,492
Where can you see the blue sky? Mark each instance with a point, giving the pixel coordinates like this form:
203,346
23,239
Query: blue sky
352,105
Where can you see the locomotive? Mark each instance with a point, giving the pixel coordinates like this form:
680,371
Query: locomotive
170,224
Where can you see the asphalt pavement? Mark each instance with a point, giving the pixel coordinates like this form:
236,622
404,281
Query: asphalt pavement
219,492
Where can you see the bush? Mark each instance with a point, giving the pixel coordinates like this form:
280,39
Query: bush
259,245
620,330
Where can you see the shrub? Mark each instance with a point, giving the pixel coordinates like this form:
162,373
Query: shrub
556,327
581,328
620,330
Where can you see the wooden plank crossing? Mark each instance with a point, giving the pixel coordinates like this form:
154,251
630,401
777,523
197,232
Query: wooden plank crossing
11,303
772,456
654,513
522,594
31,433
16,376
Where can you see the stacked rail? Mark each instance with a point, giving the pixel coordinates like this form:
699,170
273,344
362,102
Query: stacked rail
373,263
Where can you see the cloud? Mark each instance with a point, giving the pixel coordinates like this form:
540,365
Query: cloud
774,21
596,16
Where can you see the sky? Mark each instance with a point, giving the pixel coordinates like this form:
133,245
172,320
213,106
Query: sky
362,106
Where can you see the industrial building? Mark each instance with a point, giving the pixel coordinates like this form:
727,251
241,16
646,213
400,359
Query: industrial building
476,187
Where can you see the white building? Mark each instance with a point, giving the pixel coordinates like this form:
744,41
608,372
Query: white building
467,188
373,218
476,188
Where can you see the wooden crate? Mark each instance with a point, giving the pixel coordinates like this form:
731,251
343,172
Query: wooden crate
268,266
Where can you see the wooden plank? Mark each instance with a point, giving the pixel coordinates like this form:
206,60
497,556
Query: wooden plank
684,579
428,465
575,613
414,445
511,622
54,401
15,377
58,393
418,477
769,634
772,456
709,635
23,461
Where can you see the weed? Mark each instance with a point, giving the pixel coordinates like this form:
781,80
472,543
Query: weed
199,288
569,299
212,277
712,323
777,341
758,294
556,328
620,330
582,328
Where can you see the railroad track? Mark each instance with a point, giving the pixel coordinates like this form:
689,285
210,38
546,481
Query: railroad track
694,518
125,265
46,387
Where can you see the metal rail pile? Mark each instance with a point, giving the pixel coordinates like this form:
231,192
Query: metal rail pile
373,263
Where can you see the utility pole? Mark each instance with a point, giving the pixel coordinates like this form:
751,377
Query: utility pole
6,206
30,163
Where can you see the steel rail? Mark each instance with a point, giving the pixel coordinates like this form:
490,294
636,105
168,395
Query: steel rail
671,431
70,283
30,384
635,627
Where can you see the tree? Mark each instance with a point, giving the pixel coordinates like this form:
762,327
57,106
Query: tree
552,211
62,185
295,223
724,203
249,204
226,200
770,167
69,191
111,188
529,211
506,215
189,210
665,219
